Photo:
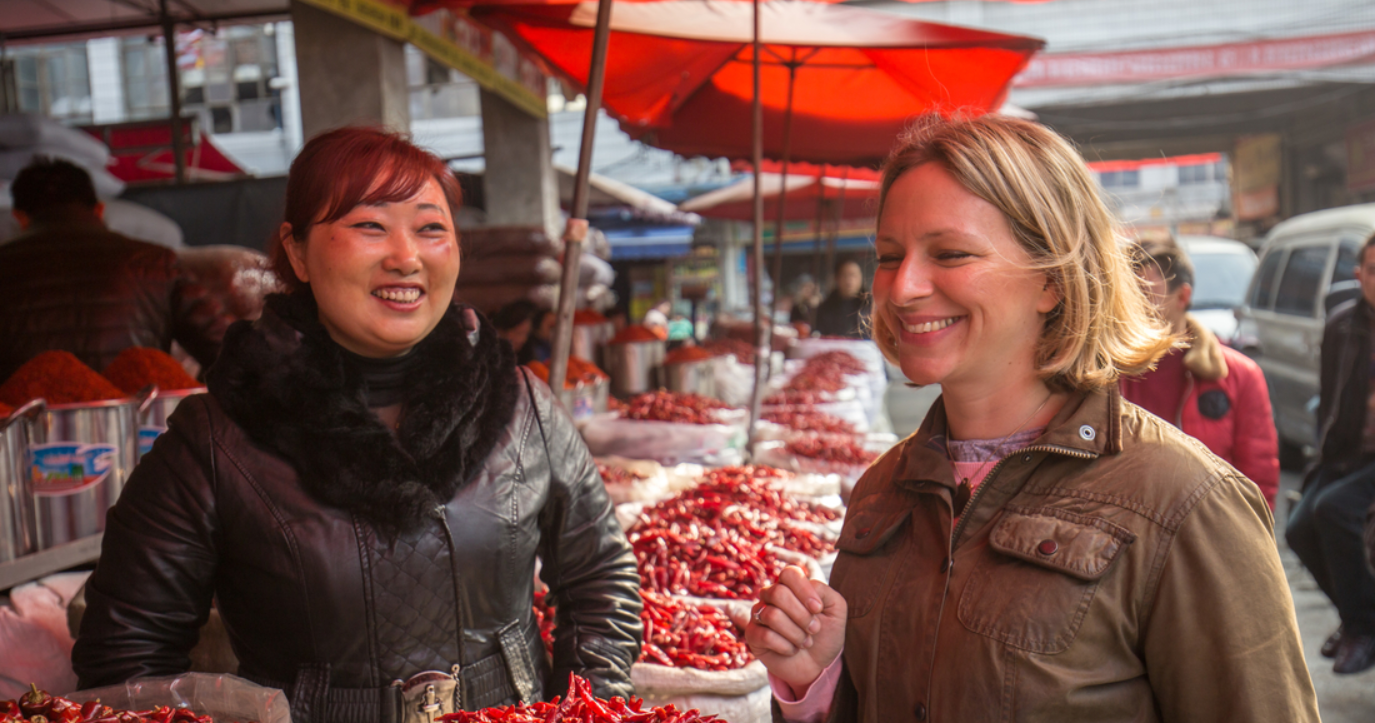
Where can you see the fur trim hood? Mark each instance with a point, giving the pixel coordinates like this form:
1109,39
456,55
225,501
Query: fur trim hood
287,384
1204,358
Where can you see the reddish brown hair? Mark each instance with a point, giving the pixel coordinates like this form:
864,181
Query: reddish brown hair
340,169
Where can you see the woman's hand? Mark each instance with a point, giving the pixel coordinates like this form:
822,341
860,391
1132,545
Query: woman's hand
797,629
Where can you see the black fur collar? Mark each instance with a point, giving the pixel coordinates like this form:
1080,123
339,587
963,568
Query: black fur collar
286,383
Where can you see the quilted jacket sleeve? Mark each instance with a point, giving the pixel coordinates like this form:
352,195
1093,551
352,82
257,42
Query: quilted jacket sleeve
587,564
151,591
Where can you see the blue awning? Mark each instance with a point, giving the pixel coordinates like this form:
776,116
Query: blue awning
649,242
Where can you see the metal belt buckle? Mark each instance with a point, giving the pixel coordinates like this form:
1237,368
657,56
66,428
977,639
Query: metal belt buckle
428,695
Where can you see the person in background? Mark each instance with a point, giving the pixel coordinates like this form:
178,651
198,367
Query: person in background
1326,526
1039,550
515,321
72,284
804,302
656,319
844,310
366,489
1214,393
539,345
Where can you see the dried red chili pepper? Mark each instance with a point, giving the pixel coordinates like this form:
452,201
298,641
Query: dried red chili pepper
838,448
37,706
612,474
744,353
807,420
60,378
580,706
682,407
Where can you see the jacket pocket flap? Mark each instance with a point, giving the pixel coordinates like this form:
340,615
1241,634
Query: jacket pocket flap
874,521
1077,545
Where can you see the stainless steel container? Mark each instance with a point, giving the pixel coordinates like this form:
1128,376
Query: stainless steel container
601,395
633,366
578,401
80,457
17,537
154,411
692,376
588,339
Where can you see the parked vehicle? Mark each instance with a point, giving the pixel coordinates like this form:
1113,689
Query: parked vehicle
1222,272
1307,266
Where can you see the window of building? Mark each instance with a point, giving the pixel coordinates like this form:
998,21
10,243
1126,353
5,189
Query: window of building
54,80
438,91
226,78
1120,179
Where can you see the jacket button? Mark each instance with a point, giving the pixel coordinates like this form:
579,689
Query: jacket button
1088,432
945,565
1047,547
919,712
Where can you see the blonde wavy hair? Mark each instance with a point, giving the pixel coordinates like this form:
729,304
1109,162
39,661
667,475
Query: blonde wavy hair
1104,326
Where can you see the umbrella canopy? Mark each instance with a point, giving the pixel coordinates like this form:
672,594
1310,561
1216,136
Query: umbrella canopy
804,193
679,72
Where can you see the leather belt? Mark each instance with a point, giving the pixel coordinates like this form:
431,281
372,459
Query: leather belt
484,683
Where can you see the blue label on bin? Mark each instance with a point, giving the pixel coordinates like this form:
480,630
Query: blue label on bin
146,435
65,468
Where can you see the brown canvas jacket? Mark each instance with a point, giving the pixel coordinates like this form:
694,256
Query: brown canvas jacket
1113,571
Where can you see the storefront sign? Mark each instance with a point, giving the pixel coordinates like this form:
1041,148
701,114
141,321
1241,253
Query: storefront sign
452,39
1256,177
66,468
1135,66
1360,157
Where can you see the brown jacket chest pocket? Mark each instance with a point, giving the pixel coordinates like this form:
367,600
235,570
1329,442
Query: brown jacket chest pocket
868,550
1039,578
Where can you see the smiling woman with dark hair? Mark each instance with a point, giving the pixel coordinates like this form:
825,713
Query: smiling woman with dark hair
366,488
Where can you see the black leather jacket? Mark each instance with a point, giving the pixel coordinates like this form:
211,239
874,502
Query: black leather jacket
1344,384
321,603
82,288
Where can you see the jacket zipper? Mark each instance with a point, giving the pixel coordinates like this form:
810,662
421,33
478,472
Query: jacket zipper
983,485
460,693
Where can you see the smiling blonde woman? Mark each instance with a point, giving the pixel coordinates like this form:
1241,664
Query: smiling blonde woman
1039,550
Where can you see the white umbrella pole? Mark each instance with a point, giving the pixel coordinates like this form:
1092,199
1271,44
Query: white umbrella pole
762,326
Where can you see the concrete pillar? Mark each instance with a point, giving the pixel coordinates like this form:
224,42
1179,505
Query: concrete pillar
103,64
348,74
285,36
519,181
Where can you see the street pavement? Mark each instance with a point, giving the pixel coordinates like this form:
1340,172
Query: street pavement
1341,698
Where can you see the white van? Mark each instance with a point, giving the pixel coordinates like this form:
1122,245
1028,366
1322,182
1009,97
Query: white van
1307,266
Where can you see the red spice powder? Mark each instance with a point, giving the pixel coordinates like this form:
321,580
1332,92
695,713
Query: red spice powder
5,411
635,333
60,378
137,367
586,317
687,354
585,370
541,370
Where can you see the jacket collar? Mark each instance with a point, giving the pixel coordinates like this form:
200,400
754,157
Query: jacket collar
286,383
1089,424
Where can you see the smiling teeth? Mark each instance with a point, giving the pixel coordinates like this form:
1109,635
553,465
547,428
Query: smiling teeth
929,326
402,296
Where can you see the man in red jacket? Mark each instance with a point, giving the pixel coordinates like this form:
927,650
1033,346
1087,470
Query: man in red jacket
1211,391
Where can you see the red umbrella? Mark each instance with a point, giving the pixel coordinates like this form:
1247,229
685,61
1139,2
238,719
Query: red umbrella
679,72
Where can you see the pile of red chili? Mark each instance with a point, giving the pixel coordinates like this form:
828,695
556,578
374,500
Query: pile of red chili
677,633
137,367
796,397
37,705
685,354
703,562
579,370
580,706
838,448
614,475
60,378
635,333
587,317
683,407
744,353
824,372
804,419
683,635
